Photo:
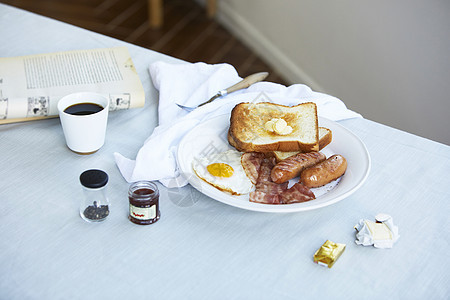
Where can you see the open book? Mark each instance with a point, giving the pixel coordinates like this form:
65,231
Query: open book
31,86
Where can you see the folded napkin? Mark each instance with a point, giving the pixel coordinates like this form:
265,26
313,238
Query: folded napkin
191,84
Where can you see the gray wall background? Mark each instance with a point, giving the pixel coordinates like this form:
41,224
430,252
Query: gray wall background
387,59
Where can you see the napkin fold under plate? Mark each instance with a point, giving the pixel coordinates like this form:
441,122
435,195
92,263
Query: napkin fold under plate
191,84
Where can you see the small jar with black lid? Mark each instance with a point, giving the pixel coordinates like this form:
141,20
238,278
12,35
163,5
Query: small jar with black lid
144,203
94,206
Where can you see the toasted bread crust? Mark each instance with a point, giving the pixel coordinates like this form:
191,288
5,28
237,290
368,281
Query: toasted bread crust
325,139
233,143
247,133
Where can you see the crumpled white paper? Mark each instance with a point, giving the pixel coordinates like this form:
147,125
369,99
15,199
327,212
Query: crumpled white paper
381,234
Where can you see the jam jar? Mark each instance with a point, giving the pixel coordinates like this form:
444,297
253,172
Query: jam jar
144,203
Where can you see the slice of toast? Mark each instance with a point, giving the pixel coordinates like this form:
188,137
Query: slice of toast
248,130
325,137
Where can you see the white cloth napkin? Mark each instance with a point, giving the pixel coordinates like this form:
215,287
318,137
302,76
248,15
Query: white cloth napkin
190,84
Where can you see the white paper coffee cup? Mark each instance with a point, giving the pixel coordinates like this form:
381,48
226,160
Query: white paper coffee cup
84,133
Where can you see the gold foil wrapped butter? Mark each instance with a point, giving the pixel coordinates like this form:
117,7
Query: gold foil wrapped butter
328,253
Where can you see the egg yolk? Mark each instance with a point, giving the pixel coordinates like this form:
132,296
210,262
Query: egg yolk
220,170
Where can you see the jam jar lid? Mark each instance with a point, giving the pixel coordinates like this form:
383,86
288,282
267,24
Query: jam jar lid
94,178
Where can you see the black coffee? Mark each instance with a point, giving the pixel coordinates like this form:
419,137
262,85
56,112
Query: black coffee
82,109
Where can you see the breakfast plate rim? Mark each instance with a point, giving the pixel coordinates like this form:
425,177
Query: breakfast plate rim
362,167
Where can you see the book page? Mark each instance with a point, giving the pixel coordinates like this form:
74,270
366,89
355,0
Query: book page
31,86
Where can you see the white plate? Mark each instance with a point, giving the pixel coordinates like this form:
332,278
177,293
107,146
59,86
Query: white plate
211,137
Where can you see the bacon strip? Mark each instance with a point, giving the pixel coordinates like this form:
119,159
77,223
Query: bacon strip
296,194
251,162
269,192
266,168
264,198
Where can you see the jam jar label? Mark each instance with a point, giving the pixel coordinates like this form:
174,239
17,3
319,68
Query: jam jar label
143,213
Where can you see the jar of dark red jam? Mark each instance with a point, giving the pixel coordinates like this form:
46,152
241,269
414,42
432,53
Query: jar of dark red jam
144,203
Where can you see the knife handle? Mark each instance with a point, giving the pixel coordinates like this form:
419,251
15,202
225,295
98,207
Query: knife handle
247,81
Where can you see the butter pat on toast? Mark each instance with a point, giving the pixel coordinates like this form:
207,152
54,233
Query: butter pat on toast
255,127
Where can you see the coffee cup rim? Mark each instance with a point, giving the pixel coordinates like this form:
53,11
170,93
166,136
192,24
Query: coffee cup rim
80,97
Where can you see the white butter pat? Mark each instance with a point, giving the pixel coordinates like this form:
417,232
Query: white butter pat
278,126
381,234
269,125
286,130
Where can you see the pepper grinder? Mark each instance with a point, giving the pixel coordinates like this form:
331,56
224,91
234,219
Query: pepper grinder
94,206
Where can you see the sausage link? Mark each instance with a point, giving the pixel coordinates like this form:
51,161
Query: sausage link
324,172
292,166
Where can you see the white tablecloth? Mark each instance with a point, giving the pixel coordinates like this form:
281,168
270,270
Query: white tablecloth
204,249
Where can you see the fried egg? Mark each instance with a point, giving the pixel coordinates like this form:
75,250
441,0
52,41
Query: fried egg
224,171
